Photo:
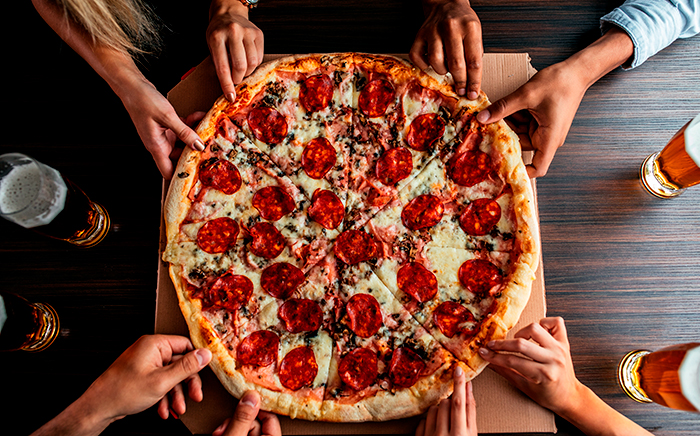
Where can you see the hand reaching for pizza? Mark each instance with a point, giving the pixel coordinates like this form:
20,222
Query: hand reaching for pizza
450,40
248,419
236,44
455,416
541,112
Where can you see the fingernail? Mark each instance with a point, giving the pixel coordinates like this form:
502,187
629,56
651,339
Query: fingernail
491,344
231,97
198,145
249,399
483,116
484,351
200,354
472,95
461,91
459,372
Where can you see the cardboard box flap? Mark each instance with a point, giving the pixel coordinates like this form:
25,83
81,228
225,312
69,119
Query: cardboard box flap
502,74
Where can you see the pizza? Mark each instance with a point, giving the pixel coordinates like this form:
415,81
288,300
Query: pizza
349,234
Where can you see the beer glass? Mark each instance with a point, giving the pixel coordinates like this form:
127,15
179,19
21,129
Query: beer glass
24,325
37,197
670,376
677,166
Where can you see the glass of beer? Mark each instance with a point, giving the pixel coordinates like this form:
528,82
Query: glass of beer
38,197
24,325
666,174
670,376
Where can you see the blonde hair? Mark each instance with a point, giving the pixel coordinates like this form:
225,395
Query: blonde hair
128,26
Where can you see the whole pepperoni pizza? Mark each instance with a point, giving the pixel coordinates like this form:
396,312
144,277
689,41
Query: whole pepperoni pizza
349,234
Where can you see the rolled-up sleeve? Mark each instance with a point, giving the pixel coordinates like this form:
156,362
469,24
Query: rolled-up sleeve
654,24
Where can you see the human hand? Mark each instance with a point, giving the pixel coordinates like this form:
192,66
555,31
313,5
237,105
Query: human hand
543,370
143,375
158,124
248,419
236,44
541,112
455,416
450,40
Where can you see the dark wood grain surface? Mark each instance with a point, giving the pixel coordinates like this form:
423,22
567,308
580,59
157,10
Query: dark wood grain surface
621,267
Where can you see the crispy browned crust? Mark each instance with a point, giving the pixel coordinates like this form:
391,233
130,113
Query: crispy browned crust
429,390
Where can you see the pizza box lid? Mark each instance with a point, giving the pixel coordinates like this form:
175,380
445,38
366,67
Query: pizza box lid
199,88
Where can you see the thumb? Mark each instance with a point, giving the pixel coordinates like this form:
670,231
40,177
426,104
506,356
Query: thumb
190,364
244,417
185,133
502,108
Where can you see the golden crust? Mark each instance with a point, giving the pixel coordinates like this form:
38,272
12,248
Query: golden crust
429,390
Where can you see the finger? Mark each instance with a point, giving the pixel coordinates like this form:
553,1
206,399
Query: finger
473,54
436,55
541,160
172,344
420,430
556,327
251,53
194,388
254,429
526,367
459,399
502,108
164,408
163,162
443,418
190,364
177,399
245,414
456,63
522,345
185,133
431,420
194,118
471,410
512,376
537,333
270,424
221,428
260,47
417,53
219,56
239,63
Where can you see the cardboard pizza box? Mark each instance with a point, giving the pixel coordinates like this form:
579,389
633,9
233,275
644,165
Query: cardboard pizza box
503,73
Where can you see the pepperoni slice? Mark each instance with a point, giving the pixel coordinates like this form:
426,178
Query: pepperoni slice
405,368
326,209
258,349
221,175
471,167
423,211
268,242
449,316
480,277
415,280
300,315
316,92
298,368
281,279
355,246
218,235
273,203
376,97
268,125
480,216
359,368
394,165
230,291
424,131
364,314
318,158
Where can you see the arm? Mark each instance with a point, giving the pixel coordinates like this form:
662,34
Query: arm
450,40
546,374
141,377
546,105
455,416
155,119
236,44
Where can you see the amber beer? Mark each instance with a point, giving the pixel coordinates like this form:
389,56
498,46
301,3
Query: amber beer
24,325
677,166
670,376
38,197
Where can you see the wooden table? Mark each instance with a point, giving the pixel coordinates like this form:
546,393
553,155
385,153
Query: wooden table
621,267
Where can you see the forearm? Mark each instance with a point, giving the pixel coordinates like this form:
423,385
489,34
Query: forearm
595,418
604,55
79,419
234,7
116,68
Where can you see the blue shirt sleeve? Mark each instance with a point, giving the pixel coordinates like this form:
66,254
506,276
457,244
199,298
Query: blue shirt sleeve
654,24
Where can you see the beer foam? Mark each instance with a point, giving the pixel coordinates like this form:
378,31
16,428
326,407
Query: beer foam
689,375
692,140
32,194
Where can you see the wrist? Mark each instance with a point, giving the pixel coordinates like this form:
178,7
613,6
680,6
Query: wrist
228,7
607,53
